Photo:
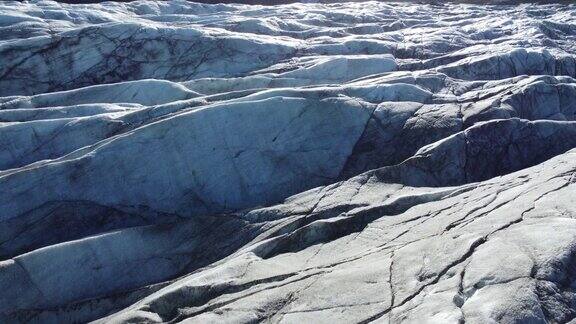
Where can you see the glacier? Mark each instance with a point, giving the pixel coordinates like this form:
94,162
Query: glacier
350,162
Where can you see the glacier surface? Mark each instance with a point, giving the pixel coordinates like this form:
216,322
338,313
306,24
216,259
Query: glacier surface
301,163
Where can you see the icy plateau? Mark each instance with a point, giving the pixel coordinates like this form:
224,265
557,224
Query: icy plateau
301,163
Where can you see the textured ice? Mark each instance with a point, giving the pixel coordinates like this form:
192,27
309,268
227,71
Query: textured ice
302,163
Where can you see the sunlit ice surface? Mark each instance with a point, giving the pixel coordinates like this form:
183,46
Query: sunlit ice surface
307,162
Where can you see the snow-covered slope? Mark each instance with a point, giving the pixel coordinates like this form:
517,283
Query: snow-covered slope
352,162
